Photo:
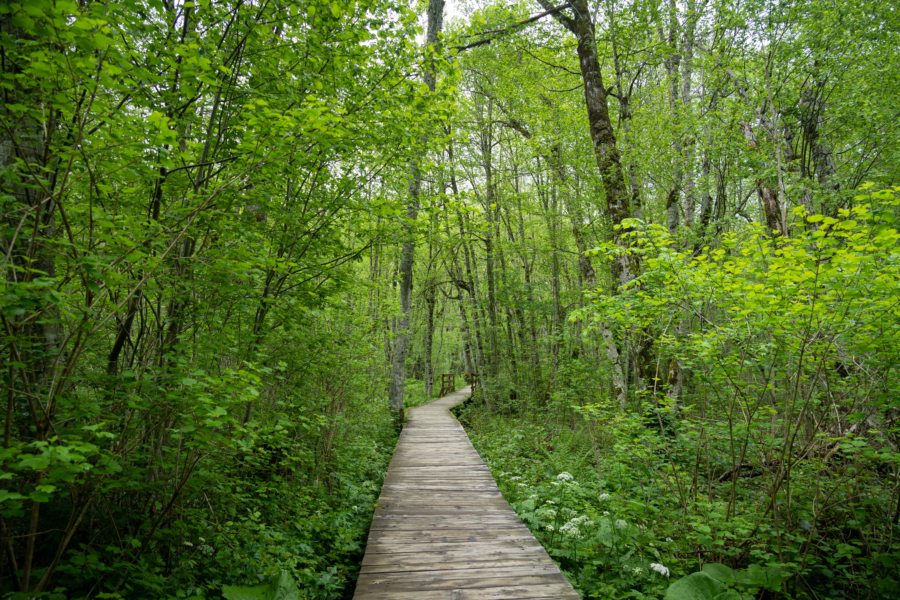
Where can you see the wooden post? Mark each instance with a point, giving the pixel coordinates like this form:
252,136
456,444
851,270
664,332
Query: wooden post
448,384
472,380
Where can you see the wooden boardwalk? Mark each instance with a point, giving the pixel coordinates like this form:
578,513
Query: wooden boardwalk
443,531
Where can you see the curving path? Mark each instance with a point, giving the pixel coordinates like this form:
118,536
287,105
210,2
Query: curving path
443,531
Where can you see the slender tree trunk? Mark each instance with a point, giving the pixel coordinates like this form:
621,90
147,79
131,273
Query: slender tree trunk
534,358
29,168
588,276
624,91
490,239
469,283
429,339
687,73
673,71
768,196
618,202
816,160
548,194
407,253
479,318
603,137
679,68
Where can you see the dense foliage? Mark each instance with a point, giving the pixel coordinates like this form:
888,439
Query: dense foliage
192,392
755,453
781,462
662,233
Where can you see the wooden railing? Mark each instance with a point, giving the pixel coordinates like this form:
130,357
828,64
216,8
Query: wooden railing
448,384
472,379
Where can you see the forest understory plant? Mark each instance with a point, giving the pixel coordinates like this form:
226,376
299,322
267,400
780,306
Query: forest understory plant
774,475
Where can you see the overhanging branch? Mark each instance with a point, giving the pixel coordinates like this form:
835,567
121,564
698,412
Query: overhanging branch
490,35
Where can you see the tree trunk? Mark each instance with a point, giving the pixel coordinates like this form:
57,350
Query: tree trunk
429,340
469,283
486,139
768,196
623,92
407,253
687,73
673,71
618,204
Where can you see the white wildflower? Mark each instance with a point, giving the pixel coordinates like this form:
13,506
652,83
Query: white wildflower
549,513
564,476
572,527
661,569
603,496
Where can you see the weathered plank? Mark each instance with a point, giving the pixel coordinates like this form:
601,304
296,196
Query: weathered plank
443,531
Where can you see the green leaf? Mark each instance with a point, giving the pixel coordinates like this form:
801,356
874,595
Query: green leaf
696,586
236,592
36,462
719,572
6,496
282,587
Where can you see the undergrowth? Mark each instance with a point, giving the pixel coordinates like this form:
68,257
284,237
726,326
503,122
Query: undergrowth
608,505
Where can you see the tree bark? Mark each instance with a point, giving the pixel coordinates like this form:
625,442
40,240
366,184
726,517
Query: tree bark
606,152
407,253
768,196
429,340
673,71
487,144
623,92
603,137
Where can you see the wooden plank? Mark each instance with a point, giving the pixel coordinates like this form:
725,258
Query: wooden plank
555,591
476,545
462,558
428,485
537,585
439,523
443,531
521,577
466,578
497,564
450,536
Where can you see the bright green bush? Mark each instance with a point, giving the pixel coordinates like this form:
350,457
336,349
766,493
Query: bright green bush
777,459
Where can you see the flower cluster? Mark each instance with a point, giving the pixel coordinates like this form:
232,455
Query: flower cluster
572,527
